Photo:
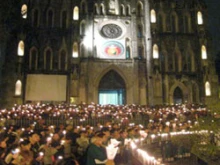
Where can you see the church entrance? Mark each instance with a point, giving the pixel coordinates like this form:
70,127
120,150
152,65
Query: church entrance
178,96
112,89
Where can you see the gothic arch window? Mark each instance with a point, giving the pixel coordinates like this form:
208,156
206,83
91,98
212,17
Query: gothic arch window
139,31
102,9
50,18
199,18
128,10
187,23
33,59
64,19
153,16
82,28
128,48
35,16
122,10
76,13
18,88
178,61
48,59
96,9
83,7
171,62
24,10
204,52
178,96
21,48
63,60
174,23
164,60
160,22
75,53
155,51
141,52
207,89
139,9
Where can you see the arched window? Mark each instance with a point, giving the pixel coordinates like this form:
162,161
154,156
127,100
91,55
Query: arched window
21,48
153,16
204,52
102,9
64,20
174,23
62,60
160,22
207,89
24,11
140,31
50,18
82,28
128,12
18,88
83,7
186,24
140,52
96,9
122,10
35,18
155,51
139,9
48,60
33,59
199,18
75,53
76,13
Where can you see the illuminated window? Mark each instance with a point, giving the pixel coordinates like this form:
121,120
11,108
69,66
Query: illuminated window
204,52
18,88
75,50
199,18
24,11
21,48
207,89
153,16
76,13
155,51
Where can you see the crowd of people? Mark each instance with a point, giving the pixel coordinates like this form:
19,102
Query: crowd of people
42,144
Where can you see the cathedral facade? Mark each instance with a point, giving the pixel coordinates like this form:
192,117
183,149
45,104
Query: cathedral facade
113,52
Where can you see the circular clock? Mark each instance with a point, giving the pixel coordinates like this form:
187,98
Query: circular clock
111,31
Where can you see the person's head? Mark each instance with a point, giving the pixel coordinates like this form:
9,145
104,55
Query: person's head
56,137
98,139
106,131
34,138
25,145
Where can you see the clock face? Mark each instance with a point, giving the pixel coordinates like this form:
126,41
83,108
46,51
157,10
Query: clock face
112,49
111,31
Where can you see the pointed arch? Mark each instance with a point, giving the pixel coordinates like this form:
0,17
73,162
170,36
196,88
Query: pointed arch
36,18
63,60
33,59
48,59
95,8
153,16
139,9
76,13
24,10
75,53
204,52
50,18
174,22
184,90
140,30
21,48
178,61
155,51
199,18
102,9
161,22
207,89
63,21
187,23
122,9
18,88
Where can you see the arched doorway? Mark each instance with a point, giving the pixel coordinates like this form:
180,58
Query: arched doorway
178,96
111,89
